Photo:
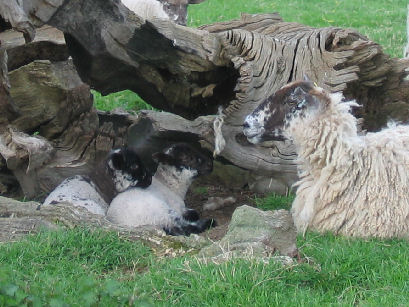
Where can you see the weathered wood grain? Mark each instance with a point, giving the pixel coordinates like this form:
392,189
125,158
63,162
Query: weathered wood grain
48,44
14,13
192,72
18,219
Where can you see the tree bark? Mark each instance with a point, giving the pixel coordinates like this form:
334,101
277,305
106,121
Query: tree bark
12,12
192,72
48,44
18,219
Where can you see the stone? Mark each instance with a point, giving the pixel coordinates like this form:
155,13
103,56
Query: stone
267,185
254,233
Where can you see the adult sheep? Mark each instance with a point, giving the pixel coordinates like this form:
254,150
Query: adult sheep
162,203
350,184
146,8
175,10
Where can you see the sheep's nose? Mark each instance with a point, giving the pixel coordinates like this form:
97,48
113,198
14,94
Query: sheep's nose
246,125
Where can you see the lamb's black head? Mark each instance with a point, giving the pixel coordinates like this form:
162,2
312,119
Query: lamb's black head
184,156
271,117
127,170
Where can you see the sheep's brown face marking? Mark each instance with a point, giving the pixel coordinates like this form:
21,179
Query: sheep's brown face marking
184,156
127,169
270,118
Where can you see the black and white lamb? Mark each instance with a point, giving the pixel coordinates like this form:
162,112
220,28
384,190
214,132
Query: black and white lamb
350,184
162,203
125,170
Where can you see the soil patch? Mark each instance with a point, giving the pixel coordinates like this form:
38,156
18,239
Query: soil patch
197,196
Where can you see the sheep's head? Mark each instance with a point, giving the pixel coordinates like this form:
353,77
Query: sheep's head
270,119
184,156
127,170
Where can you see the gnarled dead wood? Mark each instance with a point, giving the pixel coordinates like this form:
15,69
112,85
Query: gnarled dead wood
48,44
277,231
9,110
236,65
155,130
14,13
55,135
18,219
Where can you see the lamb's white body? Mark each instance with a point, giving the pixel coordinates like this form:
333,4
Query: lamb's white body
78,191
350,184
160,204
146,8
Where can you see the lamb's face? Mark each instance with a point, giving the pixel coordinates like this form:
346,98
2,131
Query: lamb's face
127,169
184,156
269,120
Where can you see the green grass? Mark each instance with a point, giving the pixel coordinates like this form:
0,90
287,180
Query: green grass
201,190
84,268
274,202
345,272
76,267
383,21
126,100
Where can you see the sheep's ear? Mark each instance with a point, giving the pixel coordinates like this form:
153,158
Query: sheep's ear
160,157
304,98
300,92
315,100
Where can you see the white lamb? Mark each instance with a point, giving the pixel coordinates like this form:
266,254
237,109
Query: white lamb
162,203
79,191
125,171
350,184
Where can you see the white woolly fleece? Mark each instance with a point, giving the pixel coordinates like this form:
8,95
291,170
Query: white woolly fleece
79,192
350,184
146,9
161,204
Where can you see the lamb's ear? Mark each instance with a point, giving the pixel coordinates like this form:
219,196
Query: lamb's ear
306,78
117,160
160,157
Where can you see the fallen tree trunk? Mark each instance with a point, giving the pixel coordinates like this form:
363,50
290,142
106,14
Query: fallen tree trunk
18,219
13,12
48,44
8,182
152,131
192,72
9,110
263,235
